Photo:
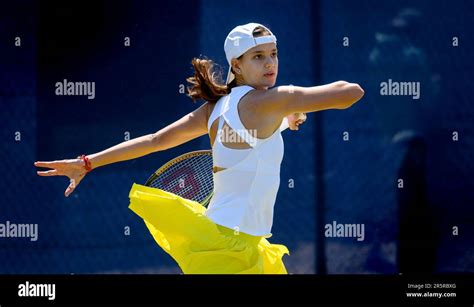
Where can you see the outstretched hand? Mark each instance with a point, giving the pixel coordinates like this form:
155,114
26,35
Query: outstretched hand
295,120
71,168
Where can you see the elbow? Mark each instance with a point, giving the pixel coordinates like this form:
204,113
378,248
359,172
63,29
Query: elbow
360,91
357,92
353,92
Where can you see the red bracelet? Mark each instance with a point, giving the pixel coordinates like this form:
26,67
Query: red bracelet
87,163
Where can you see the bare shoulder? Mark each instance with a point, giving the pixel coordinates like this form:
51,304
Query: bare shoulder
258,111
266,102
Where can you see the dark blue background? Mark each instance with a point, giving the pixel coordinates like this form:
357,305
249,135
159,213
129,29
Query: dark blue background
138,91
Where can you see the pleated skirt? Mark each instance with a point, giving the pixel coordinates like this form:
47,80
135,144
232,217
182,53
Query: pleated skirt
197,244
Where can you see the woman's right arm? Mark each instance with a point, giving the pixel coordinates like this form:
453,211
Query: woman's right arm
181,131
188,127
296,99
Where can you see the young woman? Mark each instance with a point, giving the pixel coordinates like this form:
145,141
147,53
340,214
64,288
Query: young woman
230,236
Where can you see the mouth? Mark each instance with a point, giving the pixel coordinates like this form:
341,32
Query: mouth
270,75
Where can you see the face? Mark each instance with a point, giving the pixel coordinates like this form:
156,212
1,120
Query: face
258,67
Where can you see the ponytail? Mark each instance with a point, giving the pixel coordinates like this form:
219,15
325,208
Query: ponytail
206,83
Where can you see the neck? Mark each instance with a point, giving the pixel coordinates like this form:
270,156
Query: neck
241,82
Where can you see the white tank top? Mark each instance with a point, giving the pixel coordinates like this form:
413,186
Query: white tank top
245,192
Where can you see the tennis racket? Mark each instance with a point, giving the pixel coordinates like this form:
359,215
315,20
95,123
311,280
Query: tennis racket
189,176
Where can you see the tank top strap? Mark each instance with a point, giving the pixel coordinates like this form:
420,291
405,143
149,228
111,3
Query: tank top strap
219,130
224,103
231,115
218,110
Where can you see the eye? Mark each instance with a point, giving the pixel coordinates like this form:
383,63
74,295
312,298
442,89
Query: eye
274,54
258,56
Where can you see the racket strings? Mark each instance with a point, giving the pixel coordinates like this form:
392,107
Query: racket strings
190,178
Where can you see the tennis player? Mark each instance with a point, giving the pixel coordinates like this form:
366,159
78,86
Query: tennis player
244,118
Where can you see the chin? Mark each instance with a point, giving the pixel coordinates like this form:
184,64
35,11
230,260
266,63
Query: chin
268,83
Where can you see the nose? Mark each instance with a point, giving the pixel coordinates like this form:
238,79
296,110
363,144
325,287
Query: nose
269,62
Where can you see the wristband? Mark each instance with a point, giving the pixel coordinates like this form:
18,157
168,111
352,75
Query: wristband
87,163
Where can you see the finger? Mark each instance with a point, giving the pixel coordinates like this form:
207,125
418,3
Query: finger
70,188
48,173
46,164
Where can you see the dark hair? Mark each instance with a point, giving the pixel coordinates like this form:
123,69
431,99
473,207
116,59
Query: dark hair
207,82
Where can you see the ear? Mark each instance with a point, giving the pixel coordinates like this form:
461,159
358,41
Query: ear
236,66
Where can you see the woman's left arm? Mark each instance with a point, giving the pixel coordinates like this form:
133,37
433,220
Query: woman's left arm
185,129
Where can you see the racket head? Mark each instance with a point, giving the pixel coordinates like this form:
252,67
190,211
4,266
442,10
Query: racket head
189,175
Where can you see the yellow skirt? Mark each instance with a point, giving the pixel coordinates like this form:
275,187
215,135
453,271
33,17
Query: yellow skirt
196,243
